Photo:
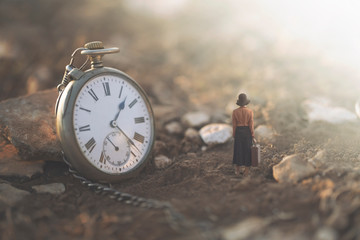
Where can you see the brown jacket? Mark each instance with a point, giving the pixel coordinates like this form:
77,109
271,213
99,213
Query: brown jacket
243,116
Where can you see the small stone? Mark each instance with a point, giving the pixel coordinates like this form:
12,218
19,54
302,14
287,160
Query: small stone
191,133
321,109
292,169
319,159
264,133
245,229
162,161
52,188
40,79
195,119
10,195
174,128
326,233
216,133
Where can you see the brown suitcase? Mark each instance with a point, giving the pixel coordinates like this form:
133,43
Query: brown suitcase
255,155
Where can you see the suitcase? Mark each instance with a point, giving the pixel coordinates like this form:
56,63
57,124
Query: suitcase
255,155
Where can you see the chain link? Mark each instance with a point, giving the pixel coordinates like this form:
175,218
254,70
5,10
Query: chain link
176,220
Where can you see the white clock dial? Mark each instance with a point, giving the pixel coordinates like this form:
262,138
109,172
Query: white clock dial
112,123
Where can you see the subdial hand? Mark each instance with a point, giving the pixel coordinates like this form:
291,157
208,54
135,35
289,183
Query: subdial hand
121,107
116,147
113,124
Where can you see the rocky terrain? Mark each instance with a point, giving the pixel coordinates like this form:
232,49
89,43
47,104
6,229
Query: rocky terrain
306,187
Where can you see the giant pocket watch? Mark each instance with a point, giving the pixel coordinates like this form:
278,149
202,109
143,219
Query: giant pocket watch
104,119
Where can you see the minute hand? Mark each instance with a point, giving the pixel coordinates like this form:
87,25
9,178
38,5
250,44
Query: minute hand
129,139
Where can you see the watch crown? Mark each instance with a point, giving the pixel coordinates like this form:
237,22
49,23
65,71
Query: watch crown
94,45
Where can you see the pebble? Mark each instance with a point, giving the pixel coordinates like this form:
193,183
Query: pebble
319,159
195,119
10,195
216,133
174,128
191,133
264,133
162,161
52,188
326,233
292,169
245,229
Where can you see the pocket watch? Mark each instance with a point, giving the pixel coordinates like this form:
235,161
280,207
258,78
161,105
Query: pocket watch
104,120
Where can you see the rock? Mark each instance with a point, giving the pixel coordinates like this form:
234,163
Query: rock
326,233
321,109
162,161
216,133
10,195
29,124
164,114
264,133
191,133
40,79
357,107
174,128
245,229
195,119
319,159
292,169
11,164
192,141
52,188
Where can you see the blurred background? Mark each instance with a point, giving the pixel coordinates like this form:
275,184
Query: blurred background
192,54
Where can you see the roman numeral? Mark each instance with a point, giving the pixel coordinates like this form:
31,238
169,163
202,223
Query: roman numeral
92,93
87,110
106,88
120,91
132,103
90,145
138,137
84,128
139,120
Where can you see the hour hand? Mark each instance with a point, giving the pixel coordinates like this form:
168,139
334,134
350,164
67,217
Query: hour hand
121,107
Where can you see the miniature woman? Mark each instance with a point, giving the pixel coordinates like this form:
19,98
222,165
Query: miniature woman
243,132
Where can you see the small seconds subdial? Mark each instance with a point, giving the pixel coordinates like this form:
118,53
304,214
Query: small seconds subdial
116,149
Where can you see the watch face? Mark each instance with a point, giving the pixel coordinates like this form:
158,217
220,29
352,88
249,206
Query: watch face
113,124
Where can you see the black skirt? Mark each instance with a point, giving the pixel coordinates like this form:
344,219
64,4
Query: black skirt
242,146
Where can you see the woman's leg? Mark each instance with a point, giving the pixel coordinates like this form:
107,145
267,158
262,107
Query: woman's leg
246,172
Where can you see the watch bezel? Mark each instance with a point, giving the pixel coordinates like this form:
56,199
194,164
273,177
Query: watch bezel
66,132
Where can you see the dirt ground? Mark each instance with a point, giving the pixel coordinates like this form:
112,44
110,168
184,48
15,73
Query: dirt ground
201,186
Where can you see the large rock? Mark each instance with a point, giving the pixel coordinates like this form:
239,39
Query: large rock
216,133
10,195
292,169
195,119
29,124
11,165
